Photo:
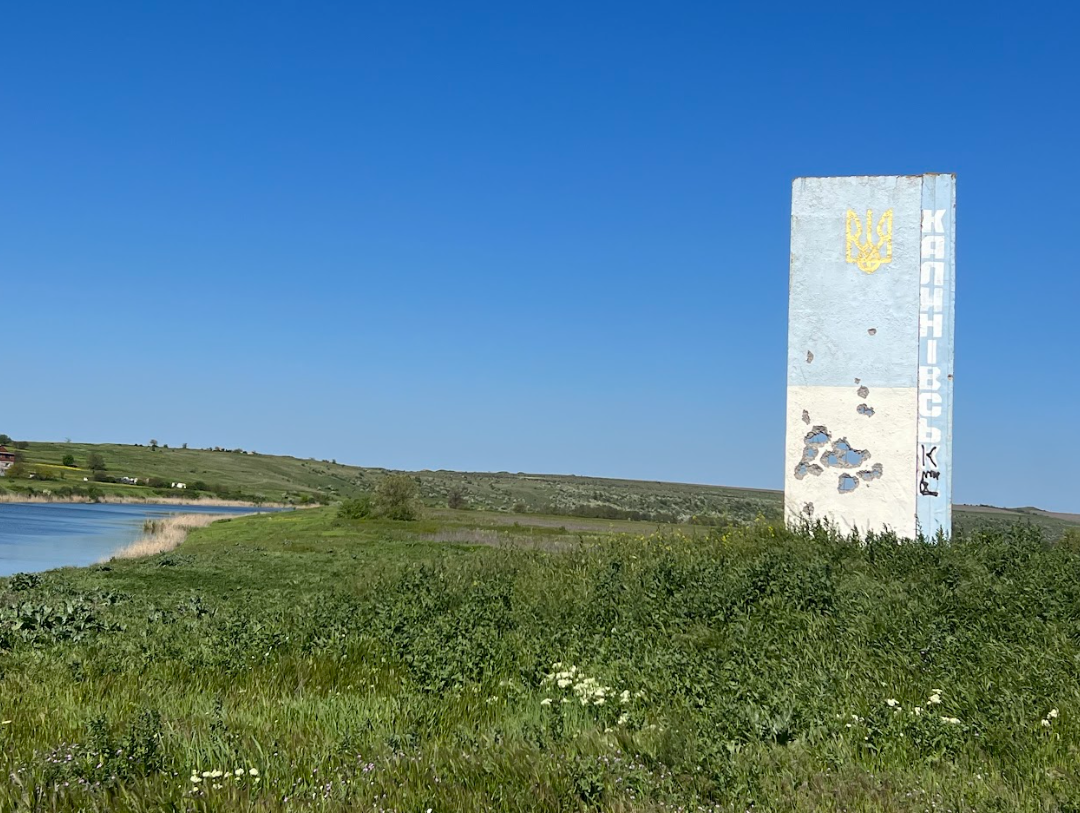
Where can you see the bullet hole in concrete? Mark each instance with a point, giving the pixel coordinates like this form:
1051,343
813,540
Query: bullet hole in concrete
805,416
809,356
862,392
804,469
818,436
873,473
857,380
847,484
809,453
872,331
863,409
843,456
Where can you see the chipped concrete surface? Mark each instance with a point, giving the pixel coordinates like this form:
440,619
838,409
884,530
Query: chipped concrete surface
887,499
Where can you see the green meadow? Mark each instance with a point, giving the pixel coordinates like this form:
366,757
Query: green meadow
279,479
478,661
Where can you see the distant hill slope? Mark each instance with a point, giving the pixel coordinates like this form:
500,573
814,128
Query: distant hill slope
278,478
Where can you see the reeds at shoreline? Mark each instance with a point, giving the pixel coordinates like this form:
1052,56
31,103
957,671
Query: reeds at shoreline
162,535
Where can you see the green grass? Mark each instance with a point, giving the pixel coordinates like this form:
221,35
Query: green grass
364,665
293,480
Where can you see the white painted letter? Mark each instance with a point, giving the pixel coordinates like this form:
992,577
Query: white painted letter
929,404
926,324
930,267
933,247
928,433
931,221
931,299
929,378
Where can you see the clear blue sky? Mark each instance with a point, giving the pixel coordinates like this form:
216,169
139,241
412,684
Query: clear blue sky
547,237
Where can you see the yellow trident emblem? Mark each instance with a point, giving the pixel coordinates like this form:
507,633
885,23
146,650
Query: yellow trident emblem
868,255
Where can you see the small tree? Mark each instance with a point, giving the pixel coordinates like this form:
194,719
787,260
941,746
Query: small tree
69,460
95,462
395,498
153,445
456,499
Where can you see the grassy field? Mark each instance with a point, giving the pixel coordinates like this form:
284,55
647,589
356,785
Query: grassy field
477,661
289,480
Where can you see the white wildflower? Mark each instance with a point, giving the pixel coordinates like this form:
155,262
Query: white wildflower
623,719
546,701
253,771
935,698
1046,723
1053,714
950,720
196,778
892,701
564,682
239,771
918,710
624,696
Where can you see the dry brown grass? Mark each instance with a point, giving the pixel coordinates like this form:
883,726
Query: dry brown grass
166,534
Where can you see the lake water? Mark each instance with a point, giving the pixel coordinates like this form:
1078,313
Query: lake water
41,536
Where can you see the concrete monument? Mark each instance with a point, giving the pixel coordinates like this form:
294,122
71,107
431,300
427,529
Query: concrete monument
870,353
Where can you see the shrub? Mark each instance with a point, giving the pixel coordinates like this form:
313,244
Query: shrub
395,498
356,508
69,460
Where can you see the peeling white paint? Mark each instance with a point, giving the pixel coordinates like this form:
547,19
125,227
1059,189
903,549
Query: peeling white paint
885,501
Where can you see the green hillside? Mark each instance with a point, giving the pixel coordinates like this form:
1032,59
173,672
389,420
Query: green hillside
250,477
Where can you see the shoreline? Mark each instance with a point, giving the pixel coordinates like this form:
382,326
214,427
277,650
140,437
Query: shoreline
164,535
213,501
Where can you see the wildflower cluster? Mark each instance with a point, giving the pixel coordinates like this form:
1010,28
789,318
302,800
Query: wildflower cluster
586,690
217,778
1048,720
933,700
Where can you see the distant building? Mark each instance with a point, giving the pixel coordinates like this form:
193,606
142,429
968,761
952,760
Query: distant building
7,460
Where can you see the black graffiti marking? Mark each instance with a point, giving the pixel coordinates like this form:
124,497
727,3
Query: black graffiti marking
924,485
928,457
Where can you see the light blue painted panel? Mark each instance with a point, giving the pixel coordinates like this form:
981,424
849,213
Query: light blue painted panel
850,322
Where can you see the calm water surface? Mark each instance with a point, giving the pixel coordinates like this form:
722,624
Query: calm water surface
41,536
